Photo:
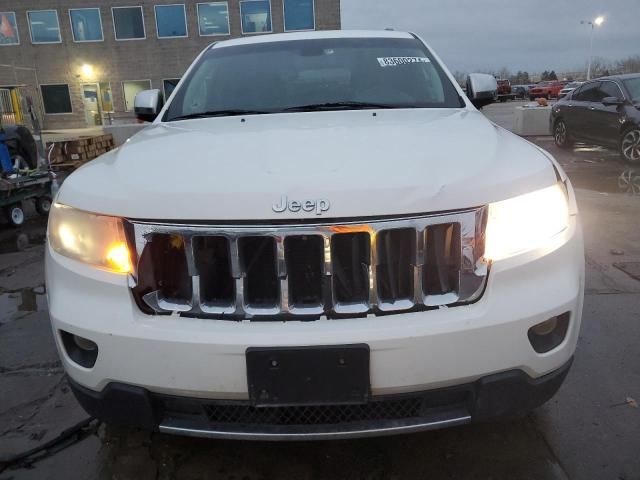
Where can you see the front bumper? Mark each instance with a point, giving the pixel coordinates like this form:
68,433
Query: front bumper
412,352
510,393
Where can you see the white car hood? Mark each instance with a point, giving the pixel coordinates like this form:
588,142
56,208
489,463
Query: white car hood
363,163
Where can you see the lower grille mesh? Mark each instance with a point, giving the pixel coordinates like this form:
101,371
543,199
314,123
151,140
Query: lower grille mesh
314,415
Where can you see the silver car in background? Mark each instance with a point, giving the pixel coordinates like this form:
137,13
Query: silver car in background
568,88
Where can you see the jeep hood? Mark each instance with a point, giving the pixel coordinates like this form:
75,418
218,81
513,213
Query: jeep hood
364,163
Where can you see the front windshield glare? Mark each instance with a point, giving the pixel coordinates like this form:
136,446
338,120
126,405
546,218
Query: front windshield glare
299,75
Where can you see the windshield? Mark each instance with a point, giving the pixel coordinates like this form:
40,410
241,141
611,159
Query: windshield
572,85
633,86
317,74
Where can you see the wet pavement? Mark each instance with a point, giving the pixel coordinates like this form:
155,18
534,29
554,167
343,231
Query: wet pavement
589,430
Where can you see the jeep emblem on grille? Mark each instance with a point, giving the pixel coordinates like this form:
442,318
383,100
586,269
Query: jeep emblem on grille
319,206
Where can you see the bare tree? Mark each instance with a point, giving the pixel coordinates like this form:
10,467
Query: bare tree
520,78
628,65
600,66
461,77
503,73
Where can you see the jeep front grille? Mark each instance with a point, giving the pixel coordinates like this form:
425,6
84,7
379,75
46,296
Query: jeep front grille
307,271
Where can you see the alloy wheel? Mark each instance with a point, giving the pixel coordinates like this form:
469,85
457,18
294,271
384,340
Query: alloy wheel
560,134
630,146
629,182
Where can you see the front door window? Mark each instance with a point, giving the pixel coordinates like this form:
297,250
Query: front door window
90,99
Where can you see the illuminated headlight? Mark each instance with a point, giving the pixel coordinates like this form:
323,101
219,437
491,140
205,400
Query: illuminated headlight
96,240
526,222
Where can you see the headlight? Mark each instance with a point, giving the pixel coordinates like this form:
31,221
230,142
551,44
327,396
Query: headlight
96,240
526,222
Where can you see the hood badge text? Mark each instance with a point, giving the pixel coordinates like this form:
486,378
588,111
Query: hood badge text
319,206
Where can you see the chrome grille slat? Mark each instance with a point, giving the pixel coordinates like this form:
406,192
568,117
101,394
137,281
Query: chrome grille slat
373,273
240,309
193,272
160,304
281,263
236,271
470,279
417,268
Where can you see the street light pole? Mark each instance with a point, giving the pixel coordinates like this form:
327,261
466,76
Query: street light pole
597,22
590,52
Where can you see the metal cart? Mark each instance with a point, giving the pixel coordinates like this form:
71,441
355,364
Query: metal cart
35,186
18,184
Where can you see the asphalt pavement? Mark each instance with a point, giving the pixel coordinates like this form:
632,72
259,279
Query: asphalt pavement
589,430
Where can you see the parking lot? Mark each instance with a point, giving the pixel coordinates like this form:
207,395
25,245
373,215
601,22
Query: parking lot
589,430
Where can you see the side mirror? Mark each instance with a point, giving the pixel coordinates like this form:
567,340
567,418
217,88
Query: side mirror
481,89
611,101
148,104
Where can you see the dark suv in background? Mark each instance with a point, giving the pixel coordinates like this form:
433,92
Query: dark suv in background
603,112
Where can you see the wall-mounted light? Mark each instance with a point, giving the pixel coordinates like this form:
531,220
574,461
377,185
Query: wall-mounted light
87,71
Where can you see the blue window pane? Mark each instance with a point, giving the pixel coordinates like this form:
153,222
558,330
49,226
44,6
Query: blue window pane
44,26
86,24
256,16
128,23
298,15
213,18
170,21
8,29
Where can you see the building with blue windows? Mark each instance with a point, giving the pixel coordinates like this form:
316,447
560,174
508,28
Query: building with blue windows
83,62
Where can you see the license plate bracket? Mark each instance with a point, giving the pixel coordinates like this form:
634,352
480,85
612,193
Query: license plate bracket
308,375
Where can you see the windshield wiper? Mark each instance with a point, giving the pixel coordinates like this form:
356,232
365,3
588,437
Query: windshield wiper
314,107
218,113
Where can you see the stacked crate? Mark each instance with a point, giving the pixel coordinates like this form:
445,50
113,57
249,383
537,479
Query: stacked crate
73,153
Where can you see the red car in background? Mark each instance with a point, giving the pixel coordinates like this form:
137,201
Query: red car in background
549,89
504,90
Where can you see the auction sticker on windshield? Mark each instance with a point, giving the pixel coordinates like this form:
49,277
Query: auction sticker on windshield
395,61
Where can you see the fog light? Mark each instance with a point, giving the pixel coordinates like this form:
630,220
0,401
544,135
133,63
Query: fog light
547,335
545,328
80,350
84,343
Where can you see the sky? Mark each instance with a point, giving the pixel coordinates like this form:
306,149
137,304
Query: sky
485,35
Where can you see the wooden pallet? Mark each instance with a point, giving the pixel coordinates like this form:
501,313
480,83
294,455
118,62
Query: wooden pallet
79,150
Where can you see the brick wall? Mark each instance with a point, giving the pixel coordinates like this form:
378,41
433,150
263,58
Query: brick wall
116,61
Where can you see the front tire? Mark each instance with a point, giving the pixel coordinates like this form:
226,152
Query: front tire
630,145
561,135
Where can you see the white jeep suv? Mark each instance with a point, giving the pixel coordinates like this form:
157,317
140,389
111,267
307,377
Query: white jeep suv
319,236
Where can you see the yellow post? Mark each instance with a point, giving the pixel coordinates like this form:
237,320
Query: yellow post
17,108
